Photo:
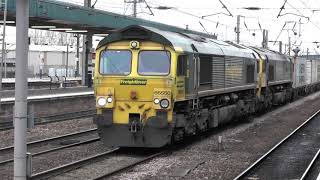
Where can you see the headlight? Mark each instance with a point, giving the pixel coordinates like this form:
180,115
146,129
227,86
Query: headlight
109,99
164,103
156,101
134,44
102,101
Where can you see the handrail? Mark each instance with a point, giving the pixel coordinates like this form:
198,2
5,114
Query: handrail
50,81
65,81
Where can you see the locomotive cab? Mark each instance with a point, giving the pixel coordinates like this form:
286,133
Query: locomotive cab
135,92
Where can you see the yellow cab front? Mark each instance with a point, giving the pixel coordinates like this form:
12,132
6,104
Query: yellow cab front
134,89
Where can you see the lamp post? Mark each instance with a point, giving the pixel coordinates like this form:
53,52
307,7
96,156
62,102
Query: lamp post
238,29
67,60
296,51
86,58
77,56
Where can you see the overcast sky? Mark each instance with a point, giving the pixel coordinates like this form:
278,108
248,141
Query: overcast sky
187,12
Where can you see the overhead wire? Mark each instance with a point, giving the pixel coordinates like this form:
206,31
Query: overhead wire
305,5
125,7
282,8
309,20
94,4
304,15
182,9
150,10
299,14
225,7
203,27
190,14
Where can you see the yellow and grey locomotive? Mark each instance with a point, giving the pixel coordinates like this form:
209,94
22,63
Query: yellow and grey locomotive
154,87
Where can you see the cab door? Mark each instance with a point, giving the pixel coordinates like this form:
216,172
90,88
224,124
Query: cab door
182,76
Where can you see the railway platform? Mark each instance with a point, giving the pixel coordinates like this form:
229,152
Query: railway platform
46,82
7,95
43,103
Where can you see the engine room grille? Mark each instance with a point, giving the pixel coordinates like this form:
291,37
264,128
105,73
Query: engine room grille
218,71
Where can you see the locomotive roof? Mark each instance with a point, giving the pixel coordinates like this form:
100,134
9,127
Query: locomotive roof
187,42
272,55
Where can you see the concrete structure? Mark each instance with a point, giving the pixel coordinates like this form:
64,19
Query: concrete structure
20,104
311,57
45,58
60,14
67,15
52,102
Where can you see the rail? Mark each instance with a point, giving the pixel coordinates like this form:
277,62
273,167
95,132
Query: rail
71,166
268,153
310,166
55,149
51,138
50,82
127,167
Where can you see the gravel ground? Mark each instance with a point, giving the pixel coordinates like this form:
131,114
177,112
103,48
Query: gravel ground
52,144
109,163
98,168
50,160
48,130
242,145
57,158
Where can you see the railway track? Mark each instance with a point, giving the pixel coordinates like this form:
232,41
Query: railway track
55,149
112,162
124,168
312,171
292,158
39,147
5,125
71,166
112,157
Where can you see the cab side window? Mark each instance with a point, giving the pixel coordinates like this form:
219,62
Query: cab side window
182,65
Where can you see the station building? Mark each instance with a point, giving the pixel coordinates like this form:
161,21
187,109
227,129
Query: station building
47,60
